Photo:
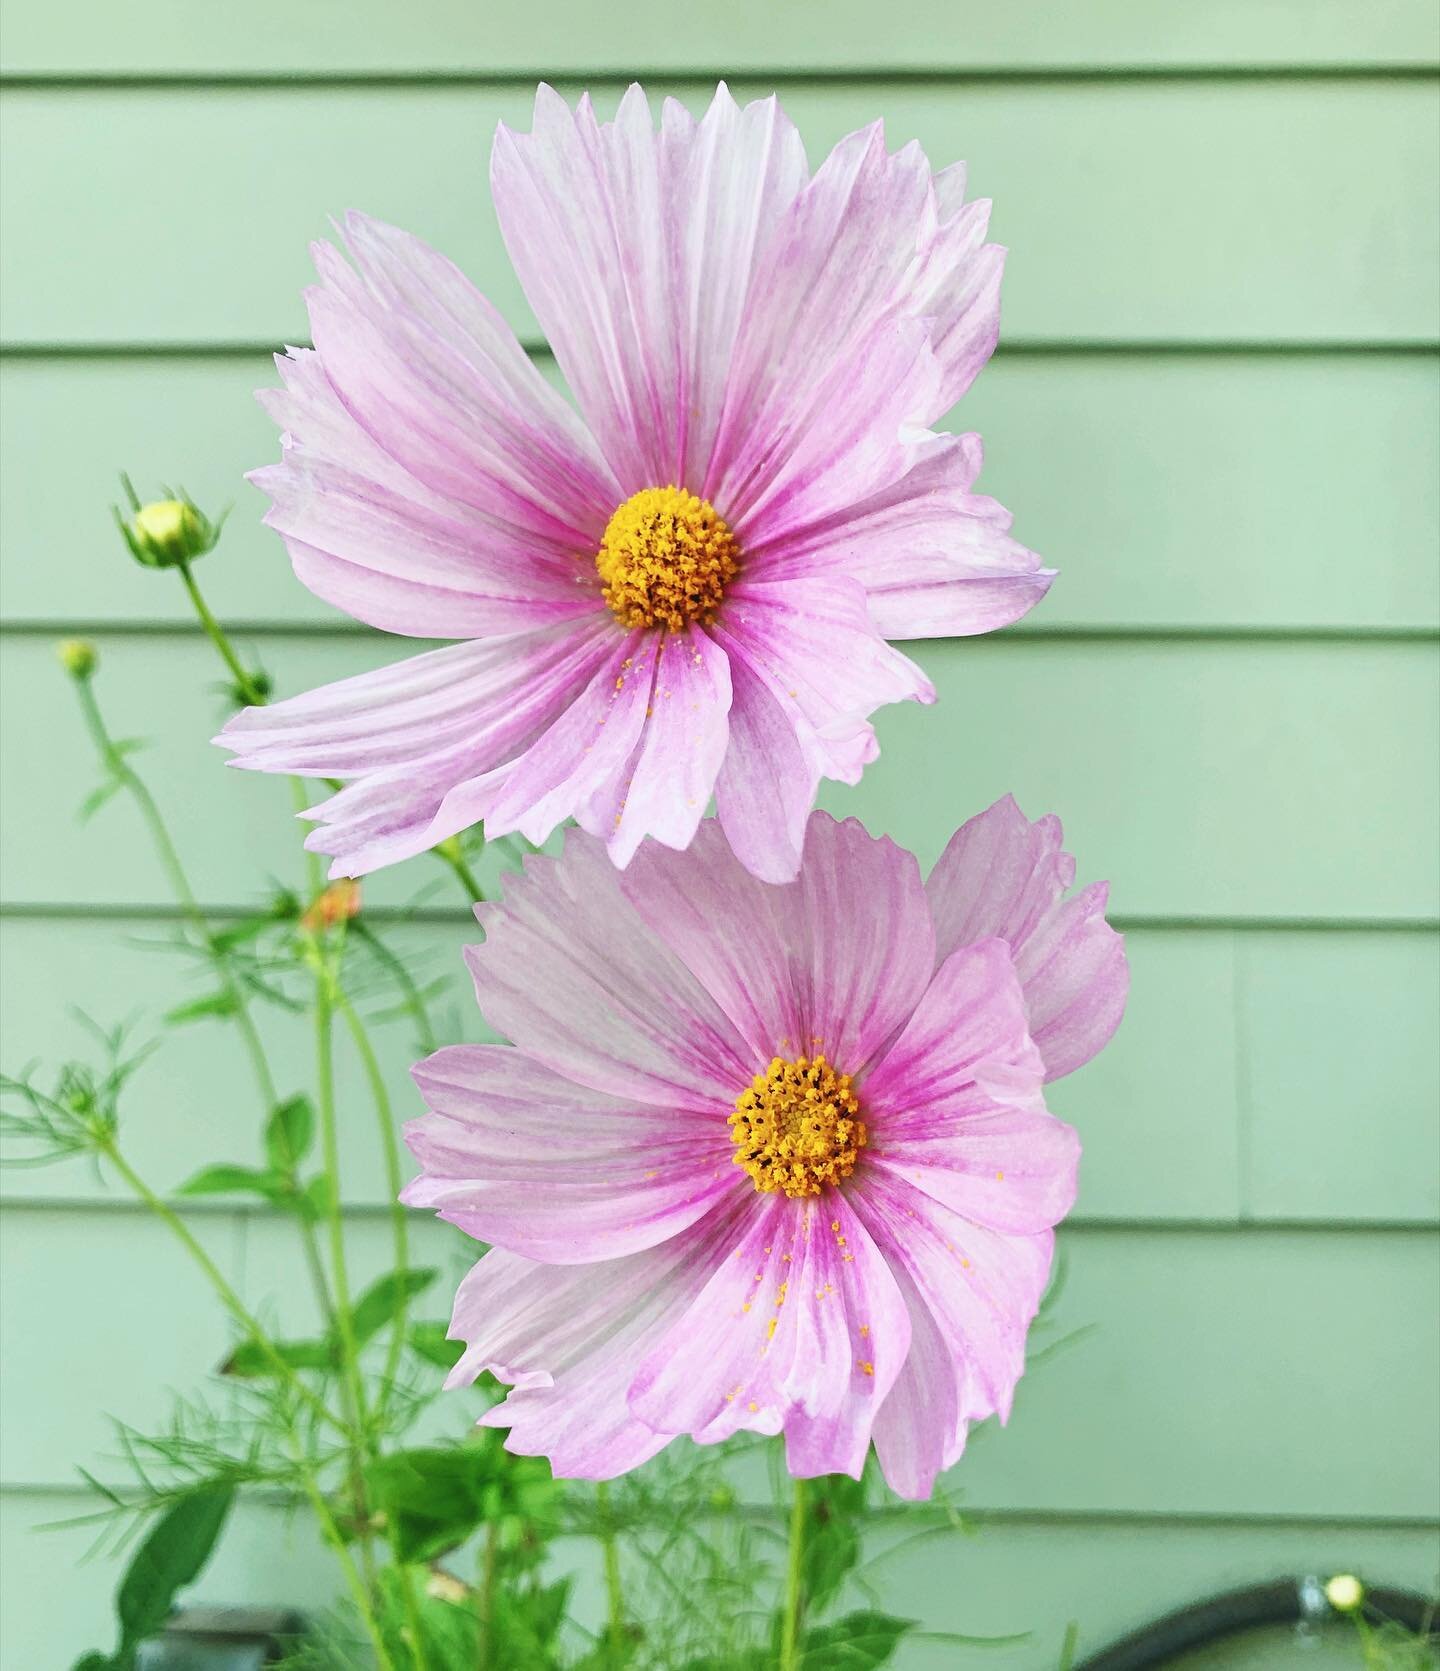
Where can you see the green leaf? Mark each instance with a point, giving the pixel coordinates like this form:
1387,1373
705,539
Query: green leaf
92,804
317,1199
381,1300
858,1642
95,1662
250,1359
428,1341
171,1557
218,1004
433,1498
289,1134
233,1180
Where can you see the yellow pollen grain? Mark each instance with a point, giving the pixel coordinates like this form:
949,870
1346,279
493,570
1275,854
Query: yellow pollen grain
797,1128
665,559
867,1368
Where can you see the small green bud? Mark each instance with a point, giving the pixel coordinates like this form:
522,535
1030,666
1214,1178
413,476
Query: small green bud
166,532
1345,1592
78,656
450,849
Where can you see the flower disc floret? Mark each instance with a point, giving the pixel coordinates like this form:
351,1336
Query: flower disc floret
797,1127
665,559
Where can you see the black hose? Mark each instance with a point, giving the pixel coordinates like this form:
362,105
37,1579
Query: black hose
1284,1601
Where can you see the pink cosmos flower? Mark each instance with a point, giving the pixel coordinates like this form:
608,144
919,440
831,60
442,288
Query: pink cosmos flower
766,1157
686,588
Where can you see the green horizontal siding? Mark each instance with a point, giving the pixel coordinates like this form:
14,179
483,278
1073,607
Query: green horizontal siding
1228,778
1171,491
331,37
1195,212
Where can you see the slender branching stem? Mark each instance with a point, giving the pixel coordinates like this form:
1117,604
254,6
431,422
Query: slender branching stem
466,877
614,1590
390,1147
245,685
115,761
794,1616
218,1281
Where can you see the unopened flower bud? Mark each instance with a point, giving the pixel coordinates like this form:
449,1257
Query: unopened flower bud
450,849
166,532
336,904
1345,1592
78,656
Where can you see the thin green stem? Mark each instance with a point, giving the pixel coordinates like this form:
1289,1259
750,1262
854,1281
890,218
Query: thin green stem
351,1384
411,1602
390,1147
463,873
485,1595
353,1581
614,1590
244,683
217,1279
174,869
794,1617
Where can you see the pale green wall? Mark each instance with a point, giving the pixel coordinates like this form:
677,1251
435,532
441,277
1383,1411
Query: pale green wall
1215,409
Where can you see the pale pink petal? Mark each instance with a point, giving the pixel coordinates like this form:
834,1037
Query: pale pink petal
367,536
796,1312
982,1287
811,643
514,1154
569,973
919,1429
954,1107
1002,875
636,252
767,782
568,1337
831,963
673,769
935,559
956,283
412,731
431,371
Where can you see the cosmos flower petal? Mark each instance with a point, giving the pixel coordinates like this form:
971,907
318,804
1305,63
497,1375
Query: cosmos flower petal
813,646
1002,875
367,536
568,1344
636,252
982,1287
674,766
766,784
517,1155
801,1308
412,731
835,962
935,559
958,1101
431,371
569,973
919,1430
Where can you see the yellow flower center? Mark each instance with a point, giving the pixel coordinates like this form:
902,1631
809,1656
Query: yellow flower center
796,1127
665,559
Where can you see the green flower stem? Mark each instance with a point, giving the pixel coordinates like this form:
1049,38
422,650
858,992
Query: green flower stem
393,1182
411,1602
794,1585
244,684
216,1277
614,1590
485,1594
169,858
353,1581
463,873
